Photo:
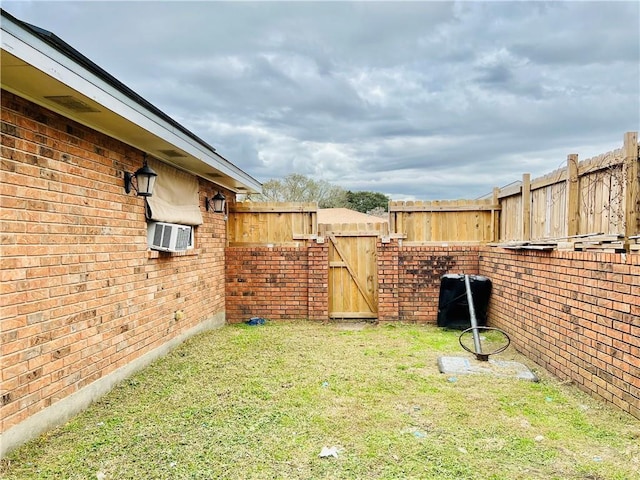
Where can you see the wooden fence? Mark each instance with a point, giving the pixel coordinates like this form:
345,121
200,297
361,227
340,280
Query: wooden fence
459,221
597,199
596,196
288,224
590,204
277,223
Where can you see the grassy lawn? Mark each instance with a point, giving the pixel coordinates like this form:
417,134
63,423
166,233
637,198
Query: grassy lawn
260,402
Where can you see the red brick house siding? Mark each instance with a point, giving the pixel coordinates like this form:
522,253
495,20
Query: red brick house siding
577,314
81,293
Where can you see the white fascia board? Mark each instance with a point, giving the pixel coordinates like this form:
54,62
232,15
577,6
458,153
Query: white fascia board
50,61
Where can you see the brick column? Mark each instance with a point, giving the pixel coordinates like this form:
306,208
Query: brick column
388,275
318,281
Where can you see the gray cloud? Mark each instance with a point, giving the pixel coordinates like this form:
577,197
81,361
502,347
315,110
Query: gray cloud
420,100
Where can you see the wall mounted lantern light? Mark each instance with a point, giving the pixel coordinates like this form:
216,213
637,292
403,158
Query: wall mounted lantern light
216,203
145,181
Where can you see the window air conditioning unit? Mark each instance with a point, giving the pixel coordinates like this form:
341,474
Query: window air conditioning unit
168,237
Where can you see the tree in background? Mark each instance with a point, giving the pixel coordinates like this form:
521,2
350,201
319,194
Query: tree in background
299,188
366,202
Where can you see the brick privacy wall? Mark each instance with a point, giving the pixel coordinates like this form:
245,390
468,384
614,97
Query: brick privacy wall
81,294
268,282
420,270
577,314
281,283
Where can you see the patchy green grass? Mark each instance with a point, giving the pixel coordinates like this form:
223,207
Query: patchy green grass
261,402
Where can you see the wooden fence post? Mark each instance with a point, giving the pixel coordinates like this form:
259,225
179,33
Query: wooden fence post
526,206
392,219
495,218
573,196
632,184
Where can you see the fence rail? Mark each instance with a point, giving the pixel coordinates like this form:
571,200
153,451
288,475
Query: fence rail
378,229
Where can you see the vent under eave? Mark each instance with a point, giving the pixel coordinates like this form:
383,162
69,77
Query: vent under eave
72,103
172,153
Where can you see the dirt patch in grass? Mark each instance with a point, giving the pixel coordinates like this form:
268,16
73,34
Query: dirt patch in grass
261,402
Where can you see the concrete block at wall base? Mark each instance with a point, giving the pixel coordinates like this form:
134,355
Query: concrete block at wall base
60,412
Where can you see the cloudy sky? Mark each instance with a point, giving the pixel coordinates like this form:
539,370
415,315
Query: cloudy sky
417,100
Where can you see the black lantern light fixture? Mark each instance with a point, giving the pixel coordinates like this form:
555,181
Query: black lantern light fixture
216,203
145,180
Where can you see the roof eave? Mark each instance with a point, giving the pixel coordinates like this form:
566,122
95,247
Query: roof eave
54,68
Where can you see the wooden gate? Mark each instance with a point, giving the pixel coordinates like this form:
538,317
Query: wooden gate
353,270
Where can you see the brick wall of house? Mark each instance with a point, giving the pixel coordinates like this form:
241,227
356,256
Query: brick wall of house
577,314
81,293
